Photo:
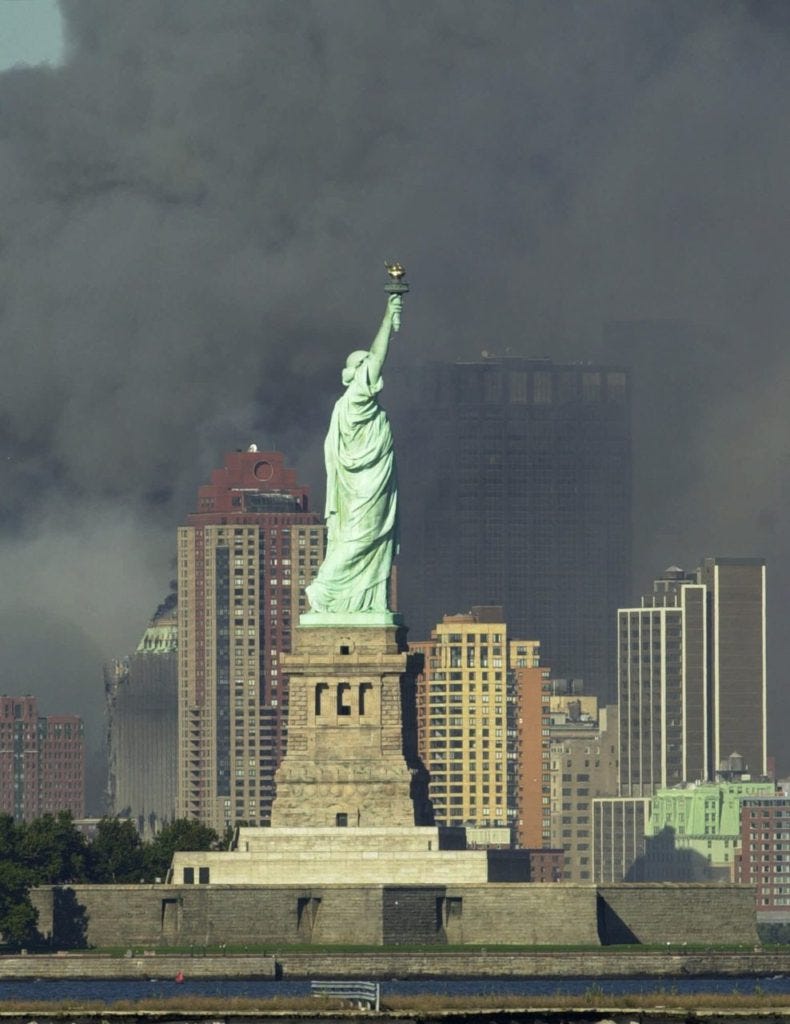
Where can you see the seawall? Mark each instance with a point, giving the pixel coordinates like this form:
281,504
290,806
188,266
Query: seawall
158,916
588,964
159,966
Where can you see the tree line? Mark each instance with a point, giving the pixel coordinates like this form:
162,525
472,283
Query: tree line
51,850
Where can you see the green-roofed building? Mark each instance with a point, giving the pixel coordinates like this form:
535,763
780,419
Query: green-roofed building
693,833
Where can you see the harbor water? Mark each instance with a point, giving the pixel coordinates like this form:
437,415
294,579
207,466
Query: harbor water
109,992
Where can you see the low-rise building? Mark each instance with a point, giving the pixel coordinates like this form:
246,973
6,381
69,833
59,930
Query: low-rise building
583,766
619,838
694,832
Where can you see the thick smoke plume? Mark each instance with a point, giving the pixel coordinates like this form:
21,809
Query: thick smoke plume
194,213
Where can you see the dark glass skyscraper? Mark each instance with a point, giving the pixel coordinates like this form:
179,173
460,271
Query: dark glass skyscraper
737,670
516,490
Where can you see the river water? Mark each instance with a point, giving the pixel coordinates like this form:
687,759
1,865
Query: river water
531,988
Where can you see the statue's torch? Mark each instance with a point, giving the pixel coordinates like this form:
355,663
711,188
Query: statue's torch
397,285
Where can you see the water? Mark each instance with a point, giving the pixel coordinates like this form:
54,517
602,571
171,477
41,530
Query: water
109,992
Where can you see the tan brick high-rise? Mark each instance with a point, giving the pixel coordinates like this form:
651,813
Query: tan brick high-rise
468,710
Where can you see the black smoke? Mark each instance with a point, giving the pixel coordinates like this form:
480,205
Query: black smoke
194,213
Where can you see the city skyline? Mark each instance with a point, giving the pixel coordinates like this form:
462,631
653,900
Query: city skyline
228,495
196,211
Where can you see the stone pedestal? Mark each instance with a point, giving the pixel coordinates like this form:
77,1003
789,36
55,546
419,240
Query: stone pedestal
345,763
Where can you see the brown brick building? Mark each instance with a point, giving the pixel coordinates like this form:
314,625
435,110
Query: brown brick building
533,693
42,761
764,860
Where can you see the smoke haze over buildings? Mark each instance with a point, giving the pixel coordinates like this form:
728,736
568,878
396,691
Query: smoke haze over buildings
194,213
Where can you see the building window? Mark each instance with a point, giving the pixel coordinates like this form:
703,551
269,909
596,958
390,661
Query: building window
518,387
341,819
343,692
591,387
541,388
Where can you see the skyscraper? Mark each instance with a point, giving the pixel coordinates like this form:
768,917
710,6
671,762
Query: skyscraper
142,733
61,746
691,676
244,559
533,763
467,711
737,667
663,689
19,757
521,497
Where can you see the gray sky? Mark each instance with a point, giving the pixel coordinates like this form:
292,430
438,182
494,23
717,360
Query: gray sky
195,207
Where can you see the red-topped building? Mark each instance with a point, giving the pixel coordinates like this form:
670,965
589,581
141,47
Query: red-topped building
250,482
244,559
42,761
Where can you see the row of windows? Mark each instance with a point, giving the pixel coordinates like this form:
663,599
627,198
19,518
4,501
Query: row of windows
342,701
471,638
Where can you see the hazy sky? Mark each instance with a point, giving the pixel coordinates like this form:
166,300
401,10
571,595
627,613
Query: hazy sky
31,32
194,211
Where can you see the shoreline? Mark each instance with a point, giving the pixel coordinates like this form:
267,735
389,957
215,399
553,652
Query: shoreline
609,1012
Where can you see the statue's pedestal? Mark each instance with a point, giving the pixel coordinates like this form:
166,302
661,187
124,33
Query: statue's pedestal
314,857
363,856
351,803
345,762
346,620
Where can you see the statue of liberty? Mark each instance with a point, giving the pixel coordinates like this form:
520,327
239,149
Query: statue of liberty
361,486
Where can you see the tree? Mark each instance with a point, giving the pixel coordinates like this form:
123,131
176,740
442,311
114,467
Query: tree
9,838
18,916
182,834
116,853
54,849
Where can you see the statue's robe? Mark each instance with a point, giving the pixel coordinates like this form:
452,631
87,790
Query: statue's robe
361,502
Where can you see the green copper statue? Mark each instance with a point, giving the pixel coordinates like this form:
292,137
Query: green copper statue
361,488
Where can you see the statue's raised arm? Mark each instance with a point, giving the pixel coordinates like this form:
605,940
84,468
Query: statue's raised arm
381,343
361,493
374,358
